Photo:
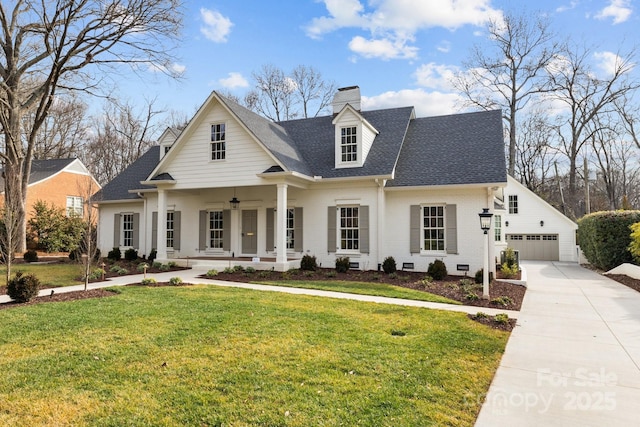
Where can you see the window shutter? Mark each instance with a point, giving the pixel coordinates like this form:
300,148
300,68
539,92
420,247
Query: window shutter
415,229
226,230
154,230
364,229
297,230
331,229
176,230
452,229
270,229
202,231
136,230
116,230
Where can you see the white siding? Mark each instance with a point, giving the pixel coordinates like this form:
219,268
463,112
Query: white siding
531,210
191,165
106,225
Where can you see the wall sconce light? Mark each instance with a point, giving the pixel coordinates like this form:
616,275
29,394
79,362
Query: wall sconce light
541,223
506,223
234,202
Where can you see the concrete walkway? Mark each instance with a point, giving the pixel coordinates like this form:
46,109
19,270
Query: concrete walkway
191,276
574,358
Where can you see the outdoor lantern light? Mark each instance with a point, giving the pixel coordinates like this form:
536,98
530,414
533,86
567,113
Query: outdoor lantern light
485,225
485,220
234,202
506,223
541,223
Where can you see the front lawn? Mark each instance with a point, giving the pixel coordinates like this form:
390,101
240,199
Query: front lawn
51,275
203,355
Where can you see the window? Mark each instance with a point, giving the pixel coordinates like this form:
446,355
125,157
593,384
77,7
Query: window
74,206
349,144
215,230
349,228
433,228
513,204
290,228
127,230
170,229
497,227
218,141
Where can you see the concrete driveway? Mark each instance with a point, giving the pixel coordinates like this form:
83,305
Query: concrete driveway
574,358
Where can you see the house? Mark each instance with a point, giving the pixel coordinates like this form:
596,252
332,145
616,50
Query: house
63,183
236,188
530,225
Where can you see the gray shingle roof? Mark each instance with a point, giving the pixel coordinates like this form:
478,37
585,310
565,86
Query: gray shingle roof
456,149
315,138
446,150
43,169
129,179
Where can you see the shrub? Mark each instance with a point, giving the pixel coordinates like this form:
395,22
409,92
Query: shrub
115,254
23,288
228,270
149,281
156,264
502,300
30,256
172,264
97,274
114,269
482,315
140,268
466,283
342,264
308,263
264,274
175,281
131,254
75,255
605,237
472,296
52,230
211,273
164,267
238,269
501,318
152,255
393,276
437,270
389,265
510,259
331,274
250,270
509,272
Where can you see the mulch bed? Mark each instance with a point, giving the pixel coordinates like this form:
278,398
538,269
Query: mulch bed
449,287
626,280
59,297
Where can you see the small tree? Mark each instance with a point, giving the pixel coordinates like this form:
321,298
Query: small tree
52,230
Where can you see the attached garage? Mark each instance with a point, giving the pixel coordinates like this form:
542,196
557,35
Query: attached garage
535,247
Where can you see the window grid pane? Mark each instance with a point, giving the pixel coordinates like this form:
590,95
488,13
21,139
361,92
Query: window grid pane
290,228
433,228
127,230
349,228
215,230
74,206
349,144
513,204
170,229
218,141
497,228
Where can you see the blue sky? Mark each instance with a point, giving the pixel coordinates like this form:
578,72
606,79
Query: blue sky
400,52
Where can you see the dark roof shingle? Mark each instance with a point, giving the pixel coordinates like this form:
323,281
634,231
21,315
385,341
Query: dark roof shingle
129,179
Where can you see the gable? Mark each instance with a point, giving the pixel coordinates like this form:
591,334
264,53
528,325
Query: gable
190,163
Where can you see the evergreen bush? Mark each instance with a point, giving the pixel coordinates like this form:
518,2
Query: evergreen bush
131,254
342,264
437,269
389,265
115,254
30,256
23,287
605,237
308,263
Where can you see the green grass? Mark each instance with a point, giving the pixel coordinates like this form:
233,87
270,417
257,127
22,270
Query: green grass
241,358
51,275
362,288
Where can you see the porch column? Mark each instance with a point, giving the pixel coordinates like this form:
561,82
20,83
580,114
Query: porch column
162,225
492,243
281,224
380,224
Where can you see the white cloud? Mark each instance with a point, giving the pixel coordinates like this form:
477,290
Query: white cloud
174,69
216,26
434,76
570,6
234,80
425,103
382,48
444,46
619,10
609,62
392,24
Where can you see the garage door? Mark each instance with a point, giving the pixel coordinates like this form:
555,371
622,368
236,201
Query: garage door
535,247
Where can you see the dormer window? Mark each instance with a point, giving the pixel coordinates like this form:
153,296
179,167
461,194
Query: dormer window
349,144
218,141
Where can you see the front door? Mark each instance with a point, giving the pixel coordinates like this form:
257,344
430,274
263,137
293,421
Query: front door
250,232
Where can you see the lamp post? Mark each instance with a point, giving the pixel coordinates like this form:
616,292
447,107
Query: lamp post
485,225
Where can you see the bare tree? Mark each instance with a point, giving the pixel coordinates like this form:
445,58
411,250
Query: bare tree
585,97
59,46
534,155
9,232
88,245
510,71
280,96
120,135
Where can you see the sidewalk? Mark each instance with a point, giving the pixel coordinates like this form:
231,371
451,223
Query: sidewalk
574,358
191,276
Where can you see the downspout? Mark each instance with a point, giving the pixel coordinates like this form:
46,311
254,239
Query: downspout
380,218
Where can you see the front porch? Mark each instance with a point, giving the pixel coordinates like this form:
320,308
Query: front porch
220,263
